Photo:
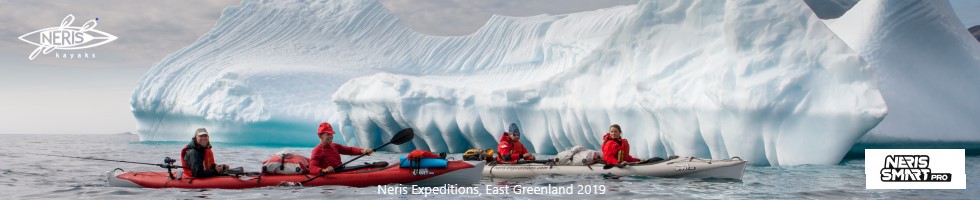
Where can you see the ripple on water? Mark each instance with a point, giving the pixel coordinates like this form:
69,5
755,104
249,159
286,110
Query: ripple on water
69,189
122,192
826,194
756,184
24,176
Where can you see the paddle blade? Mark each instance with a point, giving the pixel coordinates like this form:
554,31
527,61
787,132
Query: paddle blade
403,136
68,20
36,52
88,25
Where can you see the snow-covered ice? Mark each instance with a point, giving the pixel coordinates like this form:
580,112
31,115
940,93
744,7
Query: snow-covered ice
769,82
928,68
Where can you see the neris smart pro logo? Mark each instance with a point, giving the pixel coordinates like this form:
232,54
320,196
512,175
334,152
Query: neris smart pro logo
66,37
910,168
915,168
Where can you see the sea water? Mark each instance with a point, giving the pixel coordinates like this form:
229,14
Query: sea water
28,176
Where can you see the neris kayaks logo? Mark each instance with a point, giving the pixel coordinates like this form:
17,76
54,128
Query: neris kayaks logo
66,37
910,168
915,168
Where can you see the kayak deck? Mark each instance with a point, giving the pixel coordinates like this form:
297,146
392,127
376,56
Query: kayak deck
456,172
677,167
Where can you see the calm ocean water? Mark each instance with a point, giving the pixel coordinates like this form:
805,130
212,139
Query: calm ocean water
25,176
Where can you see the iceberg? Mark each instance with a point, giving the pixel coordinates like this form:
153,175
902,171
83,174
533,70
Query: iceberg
927,67
769,82
765,81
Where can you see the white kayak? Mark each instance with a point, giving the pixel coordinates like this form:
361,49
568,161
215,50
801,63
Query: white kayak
677,167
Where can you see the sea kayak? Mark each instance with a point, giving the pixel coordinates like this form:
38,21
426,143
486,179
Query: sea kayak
455,172
676,167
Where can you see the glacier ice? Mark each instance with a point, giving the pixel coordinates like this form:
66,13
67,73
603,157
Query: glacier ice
266,72
927,67
767,81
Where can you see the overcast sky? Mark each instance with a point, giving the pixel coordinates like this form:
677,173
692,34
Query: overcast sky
968,11
51,95
91,96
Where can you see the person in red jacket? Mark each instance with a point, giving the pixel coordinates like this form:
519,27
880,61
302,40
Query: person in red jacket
197,158
615,149
510,149
326,155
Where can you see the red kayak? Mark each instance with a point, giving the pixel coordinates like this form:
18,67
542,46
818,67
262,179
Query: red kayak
456,172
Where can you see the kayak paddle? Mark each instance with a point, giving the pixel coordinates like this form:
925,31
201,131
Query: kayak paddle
642,162
168,161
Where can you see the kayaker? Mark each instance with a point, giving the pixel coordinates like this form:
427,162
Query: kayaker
326,155
615,149
510,149
197,156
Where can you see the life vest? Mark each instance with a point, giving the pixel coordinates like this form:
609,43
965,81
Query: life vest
510,151
615,151
286,162
208,159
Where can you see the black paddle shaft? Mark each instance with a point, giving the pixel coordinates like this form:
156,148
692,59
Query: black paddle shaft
121,161
362,155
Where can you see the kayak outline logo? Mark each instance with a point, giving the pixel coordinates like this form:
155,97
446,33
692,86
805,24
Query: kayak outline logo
67,37
910,168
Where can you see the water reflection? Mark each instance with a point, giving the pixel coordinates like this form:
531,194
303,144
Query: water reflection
29,176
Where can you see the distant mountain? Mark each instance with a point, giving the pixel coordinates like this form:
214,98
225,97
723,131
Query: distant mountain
975,30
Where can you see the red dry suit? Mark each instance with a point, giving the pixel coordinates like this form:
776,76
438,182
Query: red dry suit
329,155
510,151
616,150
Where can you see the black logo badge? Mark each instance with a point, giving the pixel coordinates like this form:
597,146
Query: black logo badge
910,168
